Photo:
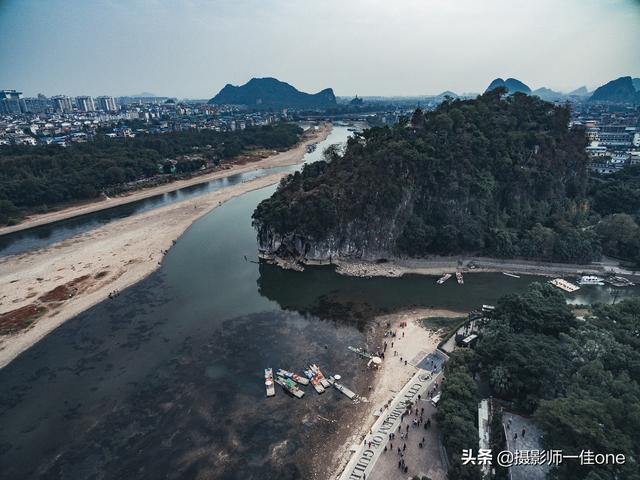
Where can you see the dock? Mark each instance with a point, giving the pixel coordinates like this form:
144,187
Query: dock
564,285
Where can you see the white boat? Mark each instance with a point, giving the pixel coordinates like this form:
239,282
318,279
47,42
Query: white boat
443,278
341,388
459,278
590,280
510,275
268,382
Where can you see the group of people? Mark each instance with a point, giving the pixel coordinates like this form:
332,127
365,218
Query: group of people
403,433
114,294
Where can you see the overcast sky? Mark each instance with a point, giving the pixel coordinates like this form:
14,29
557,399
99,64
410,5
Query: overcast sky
192,48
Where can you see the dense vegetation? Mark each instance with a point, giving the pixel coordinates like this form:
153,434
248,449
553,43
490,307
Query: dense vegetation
616,198
498,175
457,415
580,379
34,178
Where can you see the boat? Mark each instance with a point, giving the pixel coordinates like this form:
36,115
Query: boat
341,388
323,381
510,275
620,282
360,351
590,280
443,278
268,382
564,285
311,147
315,380
459,278
293,376
290,386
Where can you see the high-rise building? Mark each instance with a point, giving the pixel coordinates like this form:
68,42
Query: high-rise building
85,104
106,103
36,105
62,104
10,102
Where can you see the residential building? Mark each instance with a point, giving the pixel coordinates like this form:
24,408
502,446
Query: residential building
85,104
106,103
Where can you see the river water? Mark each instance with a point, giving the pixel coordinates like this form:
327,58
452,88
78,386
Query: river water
166,380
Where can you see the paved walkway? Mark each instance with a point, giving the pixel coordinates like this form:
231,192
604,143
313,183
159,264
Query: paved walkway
370,461
514,425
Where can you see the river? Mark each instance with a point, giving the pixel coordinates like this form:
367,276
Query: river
166,380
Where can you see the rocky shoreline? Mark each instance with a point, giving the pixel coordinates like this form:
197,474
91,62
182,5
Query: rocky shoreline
397,267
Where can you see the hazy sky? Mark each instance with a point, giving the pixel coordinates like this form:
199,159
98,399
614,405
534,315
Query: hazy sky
192,48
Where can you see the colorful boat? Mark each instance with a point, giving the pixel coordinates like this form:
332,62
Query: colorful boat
314,378
459,278
290,386
443,278
316,369
293,376
268,382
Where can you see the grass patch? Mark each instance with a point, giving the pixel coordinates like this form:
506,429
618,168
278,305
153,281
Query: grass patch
440,323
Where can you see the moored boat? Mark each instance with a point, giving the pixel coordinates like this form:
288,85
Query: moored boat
323,381
290,386
293,376
315,380
590,280
360,351
510,275
268,382
443,278
459,278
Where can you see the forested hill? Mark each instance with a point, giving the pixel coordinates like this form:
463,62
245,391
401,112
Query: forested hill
498,175
264,93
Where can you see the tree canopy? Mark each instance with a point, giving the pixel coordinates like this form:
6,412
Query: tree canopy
498,175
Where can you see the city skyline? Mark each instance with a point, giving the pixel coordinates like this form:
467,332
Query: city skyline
192,49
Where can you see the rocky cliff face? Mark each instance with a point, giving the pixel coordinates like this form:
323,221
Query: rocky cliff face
355,239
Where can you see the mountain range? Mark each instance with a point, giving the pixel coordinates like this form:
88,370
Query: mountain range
621,90
264,93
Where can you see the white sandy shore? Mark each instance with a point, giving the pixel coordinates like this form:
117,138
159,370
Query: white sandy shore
288,157
393,374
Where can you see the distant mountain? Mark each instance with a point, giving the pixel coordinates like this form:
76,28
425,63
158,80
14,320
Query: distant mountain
270,92
447,93
636,84
511,84
548,94
143,95
579,92
620,90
